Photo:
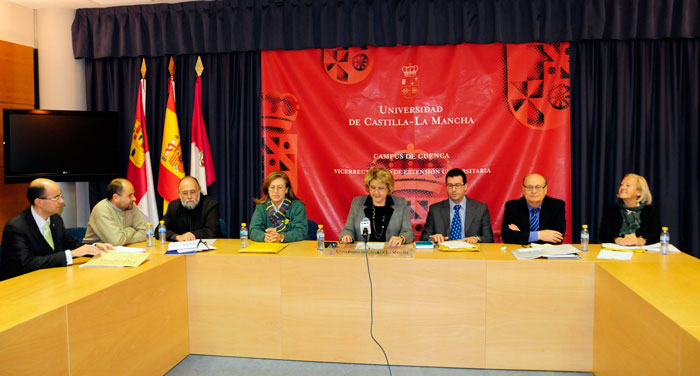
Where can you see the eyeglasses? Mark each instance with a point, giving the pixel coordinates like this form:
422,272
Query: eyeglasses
52,198
377,189
276,187
535,188
455,186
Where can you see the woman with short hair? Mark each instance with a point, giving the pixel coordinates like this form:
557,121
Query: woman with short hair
632,221
388,215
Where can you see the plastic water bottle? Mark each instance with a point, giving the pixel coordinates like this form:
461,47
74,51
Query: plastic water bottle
244,235
585,236
161,232
665,239
320,238
150,240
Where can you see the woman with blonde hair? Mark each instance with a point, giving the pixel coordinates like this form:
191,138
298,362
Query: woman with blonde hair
388,215
632,221
279,216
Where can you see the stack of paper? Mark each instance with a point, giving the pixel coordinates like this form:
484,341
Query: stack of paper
607,254
562,251
657,248
625,248
191,246
116,259
457,246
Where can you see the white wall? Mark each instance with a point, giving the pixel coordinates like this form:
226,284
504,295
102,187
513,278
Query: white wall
16,24
62,87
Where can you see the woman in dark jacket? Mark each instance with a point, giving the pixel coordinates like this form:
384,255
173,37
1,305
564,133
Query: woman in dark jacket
632,221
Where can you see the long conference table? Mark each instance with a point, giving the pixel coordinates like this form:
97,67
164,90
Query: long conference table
450,309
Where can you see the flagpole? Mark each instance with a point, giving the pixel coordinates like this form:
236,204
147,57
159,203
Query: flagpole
201,162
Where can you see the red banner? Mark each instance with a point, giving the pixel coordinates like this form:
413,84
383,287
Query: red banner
497,111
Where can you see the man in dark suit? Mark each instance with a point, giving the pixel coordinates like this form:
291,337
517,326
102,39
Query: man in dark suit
194,216
448,220
36,238
535,217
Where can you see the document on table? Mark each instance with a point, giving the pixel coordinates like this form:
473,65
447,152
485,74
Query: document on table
625,248
606,254
261,247
190,246
562,251
656,247
116,259
457,246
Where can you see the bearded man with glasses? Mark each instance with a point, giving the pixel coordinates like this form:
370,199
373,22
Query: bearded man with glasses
535,217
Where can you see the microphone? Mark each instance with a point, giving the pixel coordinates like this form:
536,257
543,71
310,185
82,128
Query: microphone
365,228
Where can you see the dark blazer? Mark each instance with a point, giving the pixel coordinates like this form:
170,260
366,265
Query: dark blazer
477,221
610,225
24,248
202,221
399,223
552,217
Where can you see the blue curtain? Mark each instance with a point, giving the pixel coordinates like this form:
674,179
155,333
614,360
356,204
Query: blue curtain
634,108
230,107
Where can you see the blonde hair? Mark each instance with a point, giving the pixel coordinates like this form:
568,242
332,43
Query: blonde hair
266,184
382,175
643,186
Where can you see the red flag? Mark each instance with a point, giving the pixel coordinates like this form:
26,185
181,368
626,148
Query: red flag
139,172
201,163
172,169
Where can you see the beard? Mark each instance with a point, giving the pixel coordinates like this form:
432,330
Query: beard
191,204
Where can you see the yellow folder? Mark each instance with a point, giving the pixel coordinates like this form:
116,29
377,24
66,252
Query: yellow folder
262,247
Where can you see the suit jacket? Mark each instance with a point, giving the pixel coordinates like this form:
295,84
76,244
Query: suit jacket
24,248
477,221
552,217
202,221
610,225
399,223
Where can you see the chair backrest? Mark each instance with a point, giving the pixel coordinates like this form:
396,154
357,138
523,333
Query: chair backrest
313,227
224,229
77,232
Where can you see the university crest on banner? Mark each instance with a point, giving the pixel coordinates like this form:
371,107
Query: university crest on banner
329,115
537,83
279,112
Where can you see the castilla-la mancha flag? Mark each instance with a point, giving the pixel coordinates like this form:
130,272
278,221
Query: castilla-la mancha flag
172,169
139,172
201,163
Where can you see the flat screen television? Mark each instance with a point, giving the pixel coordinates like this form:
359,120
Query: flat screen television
60,145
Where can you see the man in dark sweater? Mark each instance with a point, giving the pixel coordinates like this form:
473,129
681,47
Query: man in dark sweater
194,216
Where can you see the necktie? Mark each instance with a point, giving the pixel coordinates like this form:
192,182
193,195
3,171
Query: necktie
456,226
534,219
47,234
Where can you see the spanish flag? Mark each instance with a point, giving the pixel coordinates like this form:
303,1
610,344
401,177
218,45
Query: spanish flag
172,169
139,172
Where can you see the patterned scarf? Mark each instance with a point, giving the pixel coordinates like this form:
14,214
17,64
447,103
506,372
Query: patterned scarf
278,218
630,217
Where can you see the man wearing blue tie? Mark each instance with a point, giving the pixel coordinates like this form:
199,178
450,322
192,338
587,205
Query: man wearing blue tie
535,217
458,218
